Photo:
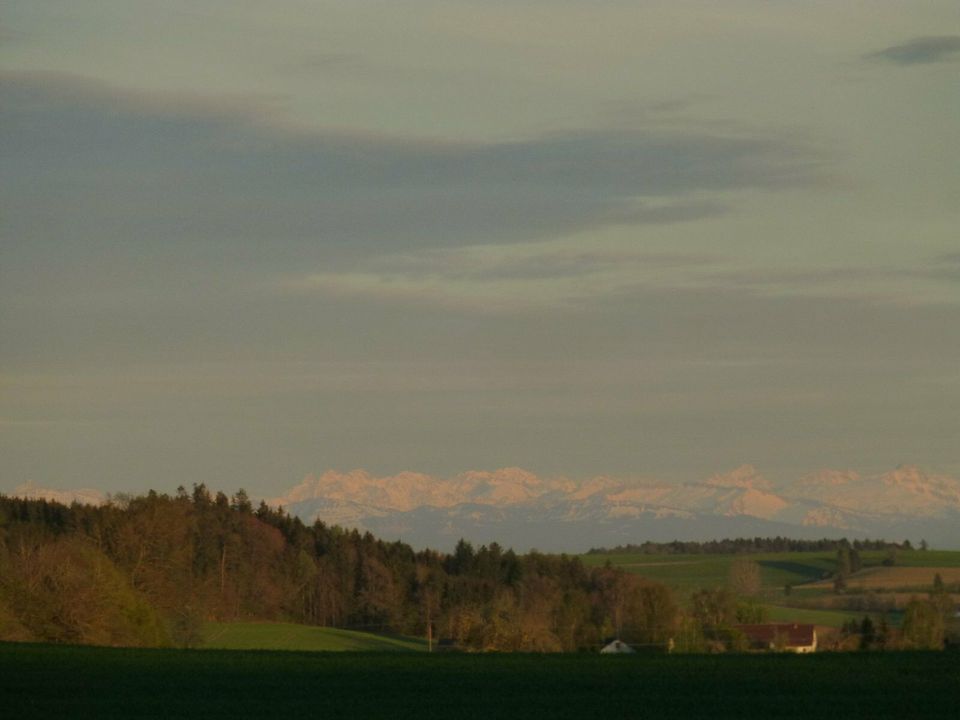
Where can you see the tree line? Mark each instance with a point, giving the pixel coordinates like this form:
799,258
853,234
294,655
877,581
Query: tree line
151,570
731,546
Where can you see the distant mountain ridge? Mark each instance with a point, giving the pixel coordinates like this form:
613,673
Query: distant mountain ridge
84,496
516,507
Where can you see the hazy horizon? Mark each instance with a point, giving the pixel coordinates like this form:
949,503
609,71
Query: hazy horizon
242,243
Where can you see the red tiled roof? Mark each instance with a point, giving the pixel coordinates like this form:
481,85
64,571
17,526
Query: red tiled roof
793,634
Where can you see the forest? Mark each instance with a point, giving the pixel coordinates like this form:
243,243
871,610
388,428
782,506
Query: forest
150,570
751,545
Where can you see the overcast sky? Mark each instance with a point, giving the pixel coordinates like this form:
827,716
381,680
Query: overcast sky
246,241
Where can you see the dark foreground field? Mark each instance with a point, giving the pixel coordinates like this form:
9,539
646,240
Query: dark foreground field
58,681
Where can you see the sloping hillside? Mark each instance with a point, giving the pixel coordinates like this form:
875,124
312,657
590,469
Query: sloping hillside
291,636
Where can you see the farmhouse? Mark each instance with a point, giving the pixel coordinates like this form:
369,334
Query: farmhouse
791,637
616,646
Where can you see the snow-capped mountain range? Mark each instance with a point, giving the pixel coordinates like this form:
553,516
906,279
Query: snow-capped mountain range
515,507
84,496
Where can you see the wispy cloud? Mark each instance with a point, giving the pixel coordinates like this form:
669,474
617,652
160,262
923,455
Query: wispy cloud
951,259
505,280
233,172
921,50
882,285
324,62
497,280
945,267
478,263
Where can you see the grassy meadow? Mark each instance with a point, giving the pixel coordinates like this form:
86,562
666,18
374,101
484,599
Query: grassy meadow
291,636
38,681
688,573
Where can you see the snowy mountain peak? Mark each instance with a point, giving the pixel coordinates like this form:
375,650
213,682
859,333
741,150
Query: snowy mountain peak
745,476
909,476
827,478
84,496
503,476
511,505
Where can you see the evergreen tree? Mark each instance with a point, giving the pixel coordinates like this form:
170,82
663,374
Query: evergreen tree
867,633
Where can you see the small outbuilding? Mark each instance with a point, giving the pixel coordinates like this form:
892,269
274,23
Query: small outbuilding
616,646
790,637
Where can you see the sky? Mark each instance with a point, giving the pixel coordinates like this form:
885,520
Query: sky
241,242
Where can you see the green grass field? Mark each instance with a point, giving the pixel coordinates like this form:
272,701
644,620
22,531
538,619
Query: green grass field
686,574
288,636
38,681
830,618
